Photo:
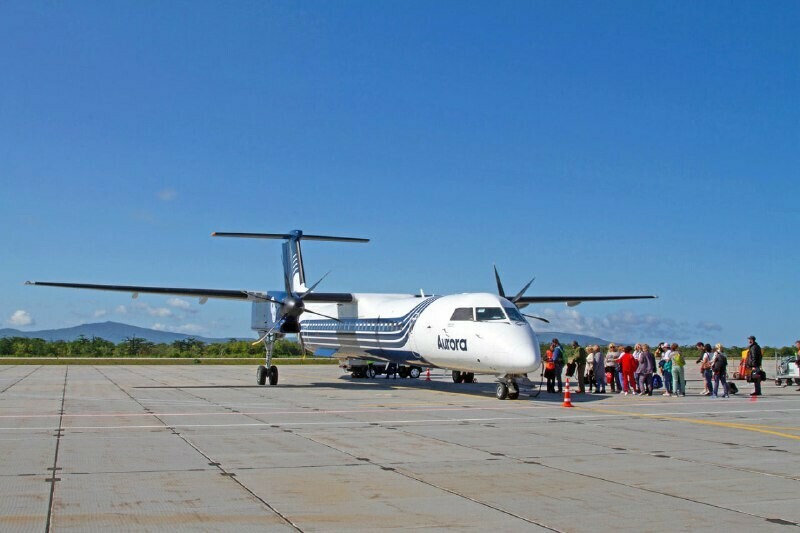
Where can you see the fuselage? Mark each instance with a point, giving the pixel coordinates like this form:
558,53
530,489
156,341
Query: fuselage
473,332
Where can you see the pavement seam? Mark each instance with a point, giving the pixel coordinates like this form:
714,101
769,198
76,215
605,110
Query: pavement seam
20,379
210,460
59,434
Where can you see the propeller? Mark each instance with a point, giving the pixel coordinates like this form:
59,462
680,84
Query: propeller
519,295
291,307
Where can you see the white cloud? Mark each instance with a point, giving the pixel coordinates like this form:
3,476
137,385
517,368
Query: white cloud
121,310
188,329
21,318
179,303
100,313
191,329
166,195
624,326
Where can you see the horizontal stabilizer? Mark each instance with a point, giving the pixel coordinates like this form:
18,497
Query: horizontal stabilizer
287,236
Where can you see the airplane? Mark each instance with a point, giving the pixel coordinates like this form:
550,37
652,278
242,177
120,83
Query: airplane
467,333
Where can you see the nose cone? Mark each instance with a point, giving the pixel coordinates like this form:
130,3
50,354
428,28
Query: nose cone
523,348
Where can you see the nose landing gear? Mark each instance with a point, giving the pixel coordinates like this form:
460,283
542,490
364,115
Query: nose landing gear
508,387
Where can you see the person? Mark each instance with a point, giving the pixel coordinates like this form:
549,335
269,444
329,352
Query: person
797,360
701,352
719,366
627,365
611,366
637,354
588,377
579,359
647,368
550,370
753,363
678,376
705,369
558,359
666,370
599,372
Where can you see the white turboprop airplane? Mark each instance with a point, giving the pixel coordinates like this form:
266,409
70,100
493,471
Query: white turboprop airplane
467,333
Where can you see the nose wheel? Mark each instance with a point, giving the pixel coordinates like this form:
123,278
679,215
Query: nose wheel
507,388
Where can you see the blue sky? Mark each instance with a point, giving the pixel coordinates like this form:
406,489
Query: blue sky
606,148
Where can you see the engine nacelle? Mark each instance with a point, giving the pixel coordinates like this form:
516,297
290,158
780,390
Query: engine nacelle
263,316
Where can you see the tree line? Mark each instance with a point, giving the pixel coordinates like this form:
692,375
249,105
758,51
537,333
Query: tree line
138,347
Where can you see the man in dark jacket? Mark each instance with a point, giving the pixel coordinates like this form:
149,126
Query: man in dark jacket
753,362
579,359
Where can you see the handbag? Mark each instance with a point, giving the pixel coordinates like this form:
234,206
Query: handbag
571,369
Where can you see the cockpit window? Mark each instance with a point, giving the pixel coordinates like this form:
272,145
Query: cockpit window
462,313
483,314
514,314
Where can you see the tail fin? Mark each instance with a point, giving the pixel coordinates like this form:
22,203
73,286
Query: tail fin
293,271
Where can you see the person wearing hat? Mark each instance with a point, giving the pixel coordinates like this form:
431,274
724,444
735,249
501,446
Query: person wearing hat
753,362
579,358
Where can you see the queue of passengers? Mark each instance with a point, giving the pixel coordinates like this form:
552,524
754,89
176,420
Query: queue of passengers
635,369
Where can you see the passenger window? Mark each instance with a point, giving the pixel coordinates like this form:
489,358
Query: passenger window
462,313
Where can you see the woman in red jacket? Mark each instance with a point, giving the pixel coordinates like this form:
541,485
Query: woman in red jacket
627,365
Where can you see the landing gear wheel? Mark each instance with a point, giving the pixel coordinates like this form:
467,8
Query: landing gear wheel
502,391
261,375
468,378
273,375
403,372
513,391
457,378
414,372
370,372
778,382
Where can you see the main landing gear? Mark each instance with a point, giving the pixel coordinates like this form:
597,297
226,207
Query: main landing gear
270,371
463,377
508,387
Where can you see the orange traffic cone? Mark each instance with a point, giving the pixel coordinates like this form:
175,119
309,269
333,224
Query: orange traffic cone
428,374
567,400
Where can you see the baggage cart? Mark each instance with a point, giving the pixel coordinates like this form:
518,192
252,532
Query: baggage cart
786,371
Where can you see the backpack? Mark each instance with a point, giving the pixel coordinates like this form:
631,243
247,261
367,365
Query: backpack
732,388
720,363
657,382
677,359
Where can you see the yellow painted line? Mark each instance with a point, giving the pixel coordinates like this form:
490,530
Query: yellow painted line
730,425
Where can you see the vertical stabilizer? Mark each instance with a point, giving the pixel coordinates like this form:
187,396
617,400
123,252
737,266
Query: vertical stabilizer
293,264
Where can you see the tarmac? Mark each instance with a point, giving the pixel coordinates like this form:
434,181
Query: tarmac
203,448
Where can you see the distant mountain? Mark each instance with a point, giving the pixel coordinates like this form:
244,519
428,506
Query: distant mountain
567,338
110,331
117,332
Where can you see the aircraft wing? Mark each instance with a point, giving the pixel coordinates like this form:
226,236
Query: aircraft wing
574,300
328,297
195,293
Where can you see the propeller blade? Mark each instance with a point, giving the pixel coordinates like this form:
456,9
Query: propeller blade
537,318
314,286
320,314
521,293
500,290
